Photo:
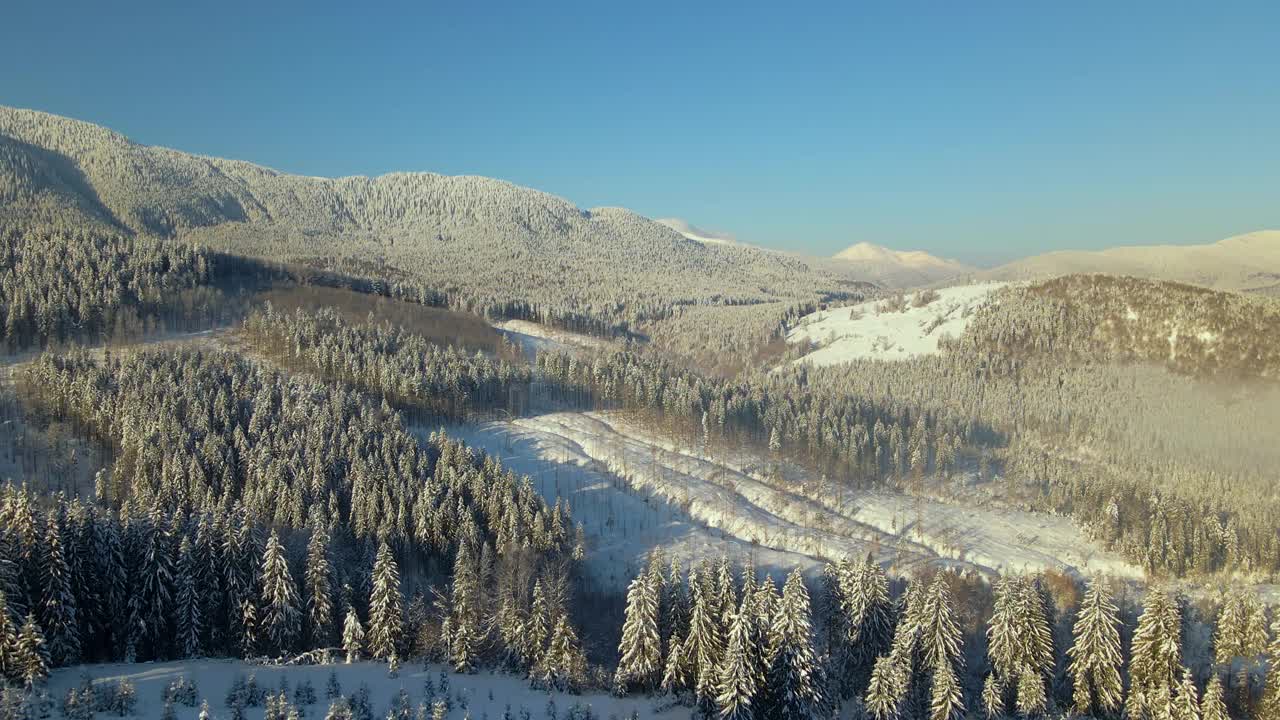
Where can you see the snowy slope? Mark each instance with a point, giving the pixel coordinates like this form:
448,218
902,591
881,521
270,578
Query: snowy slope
866,331
486,694
635,491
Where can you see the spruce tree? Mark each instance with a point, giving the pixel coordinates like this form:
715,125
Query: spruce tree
1095,654
795,681
640,650
30,654
280,615
1213,706
1155,664
703,646
319,587
742,672
58,605
1186,706
352,636
993,697
386,606
465,633
187,604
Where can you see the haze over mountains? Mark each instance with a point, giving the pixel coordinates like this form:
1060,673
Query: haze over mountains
896,268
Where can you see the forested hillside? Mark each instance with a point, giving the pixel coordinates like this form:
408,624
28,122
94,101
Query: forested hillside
490,246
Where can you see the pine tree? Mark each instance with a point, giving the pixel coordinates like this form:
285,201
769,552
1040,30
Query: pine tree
1032,698
795,682
993,697
58,605
248,628
1155,663
29,654
280,615
1095,654
386,606
464,617
742,672
564,665
149,603
352,636
319,587
1214,707
1186,705
187,604
640,649
886,688
946,700
537,627
703,646
10,667
868,620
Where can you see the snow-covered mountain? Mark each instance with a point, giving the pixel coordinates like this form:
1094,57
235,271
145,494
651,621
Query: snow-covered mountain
898,268
1248,262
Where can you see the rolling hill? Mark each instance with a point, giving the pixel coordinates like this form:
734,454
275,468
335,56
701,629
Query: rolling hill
499,246
896,268
1245,263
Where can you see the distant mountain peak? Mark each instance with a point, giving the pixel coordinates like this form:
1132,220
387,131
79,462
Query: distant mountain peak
902,268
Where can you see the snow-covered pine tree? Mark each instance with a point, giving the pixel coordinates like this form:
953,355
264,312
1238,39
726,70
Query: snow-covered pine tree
886,688
386,605
465,633
1186,704
564,665
188,625
319,586
58,615
704,646
1032,698
946,700
1155,663
352,636
1213,705
249,640
742,672
9,667
640,650
149,603
280,613
796,685
30,654
993,697
1019,640
537,626
1095,654
868,620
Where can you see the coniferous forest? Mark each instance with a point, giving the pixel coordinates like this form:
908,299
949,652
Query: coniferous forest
226,436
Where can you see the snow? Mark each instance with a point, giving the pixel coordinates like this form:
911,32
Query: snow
862,332
486,693
534,337
635,491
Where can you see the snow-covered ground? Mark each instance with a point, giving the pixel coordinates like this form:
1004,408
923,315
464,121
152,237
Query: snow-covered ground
534,337
485,694
635,491
864,331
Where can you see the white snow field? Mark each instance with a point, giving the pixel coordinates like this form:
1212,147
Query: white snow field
635,491
535,337
486,694
862,331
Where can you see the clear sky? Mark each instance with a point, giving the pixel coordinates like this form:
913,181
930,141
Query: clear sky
970,129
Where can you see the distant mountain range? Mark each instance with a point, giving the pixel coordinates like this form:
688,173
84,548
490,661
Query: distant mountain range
1245,263
494,241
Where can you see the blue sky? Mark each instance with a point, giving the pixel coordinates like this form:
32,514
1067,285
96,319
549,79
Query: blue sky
975,130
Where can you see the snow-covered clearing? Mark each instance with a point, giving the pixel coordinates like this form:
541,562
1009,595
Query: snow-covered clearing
485,694
868,331
635,490
534,337
622,522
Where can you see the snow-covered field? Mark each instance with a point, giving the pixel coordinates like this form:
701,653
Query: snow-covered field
635,491
863,331
485,694
534,337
